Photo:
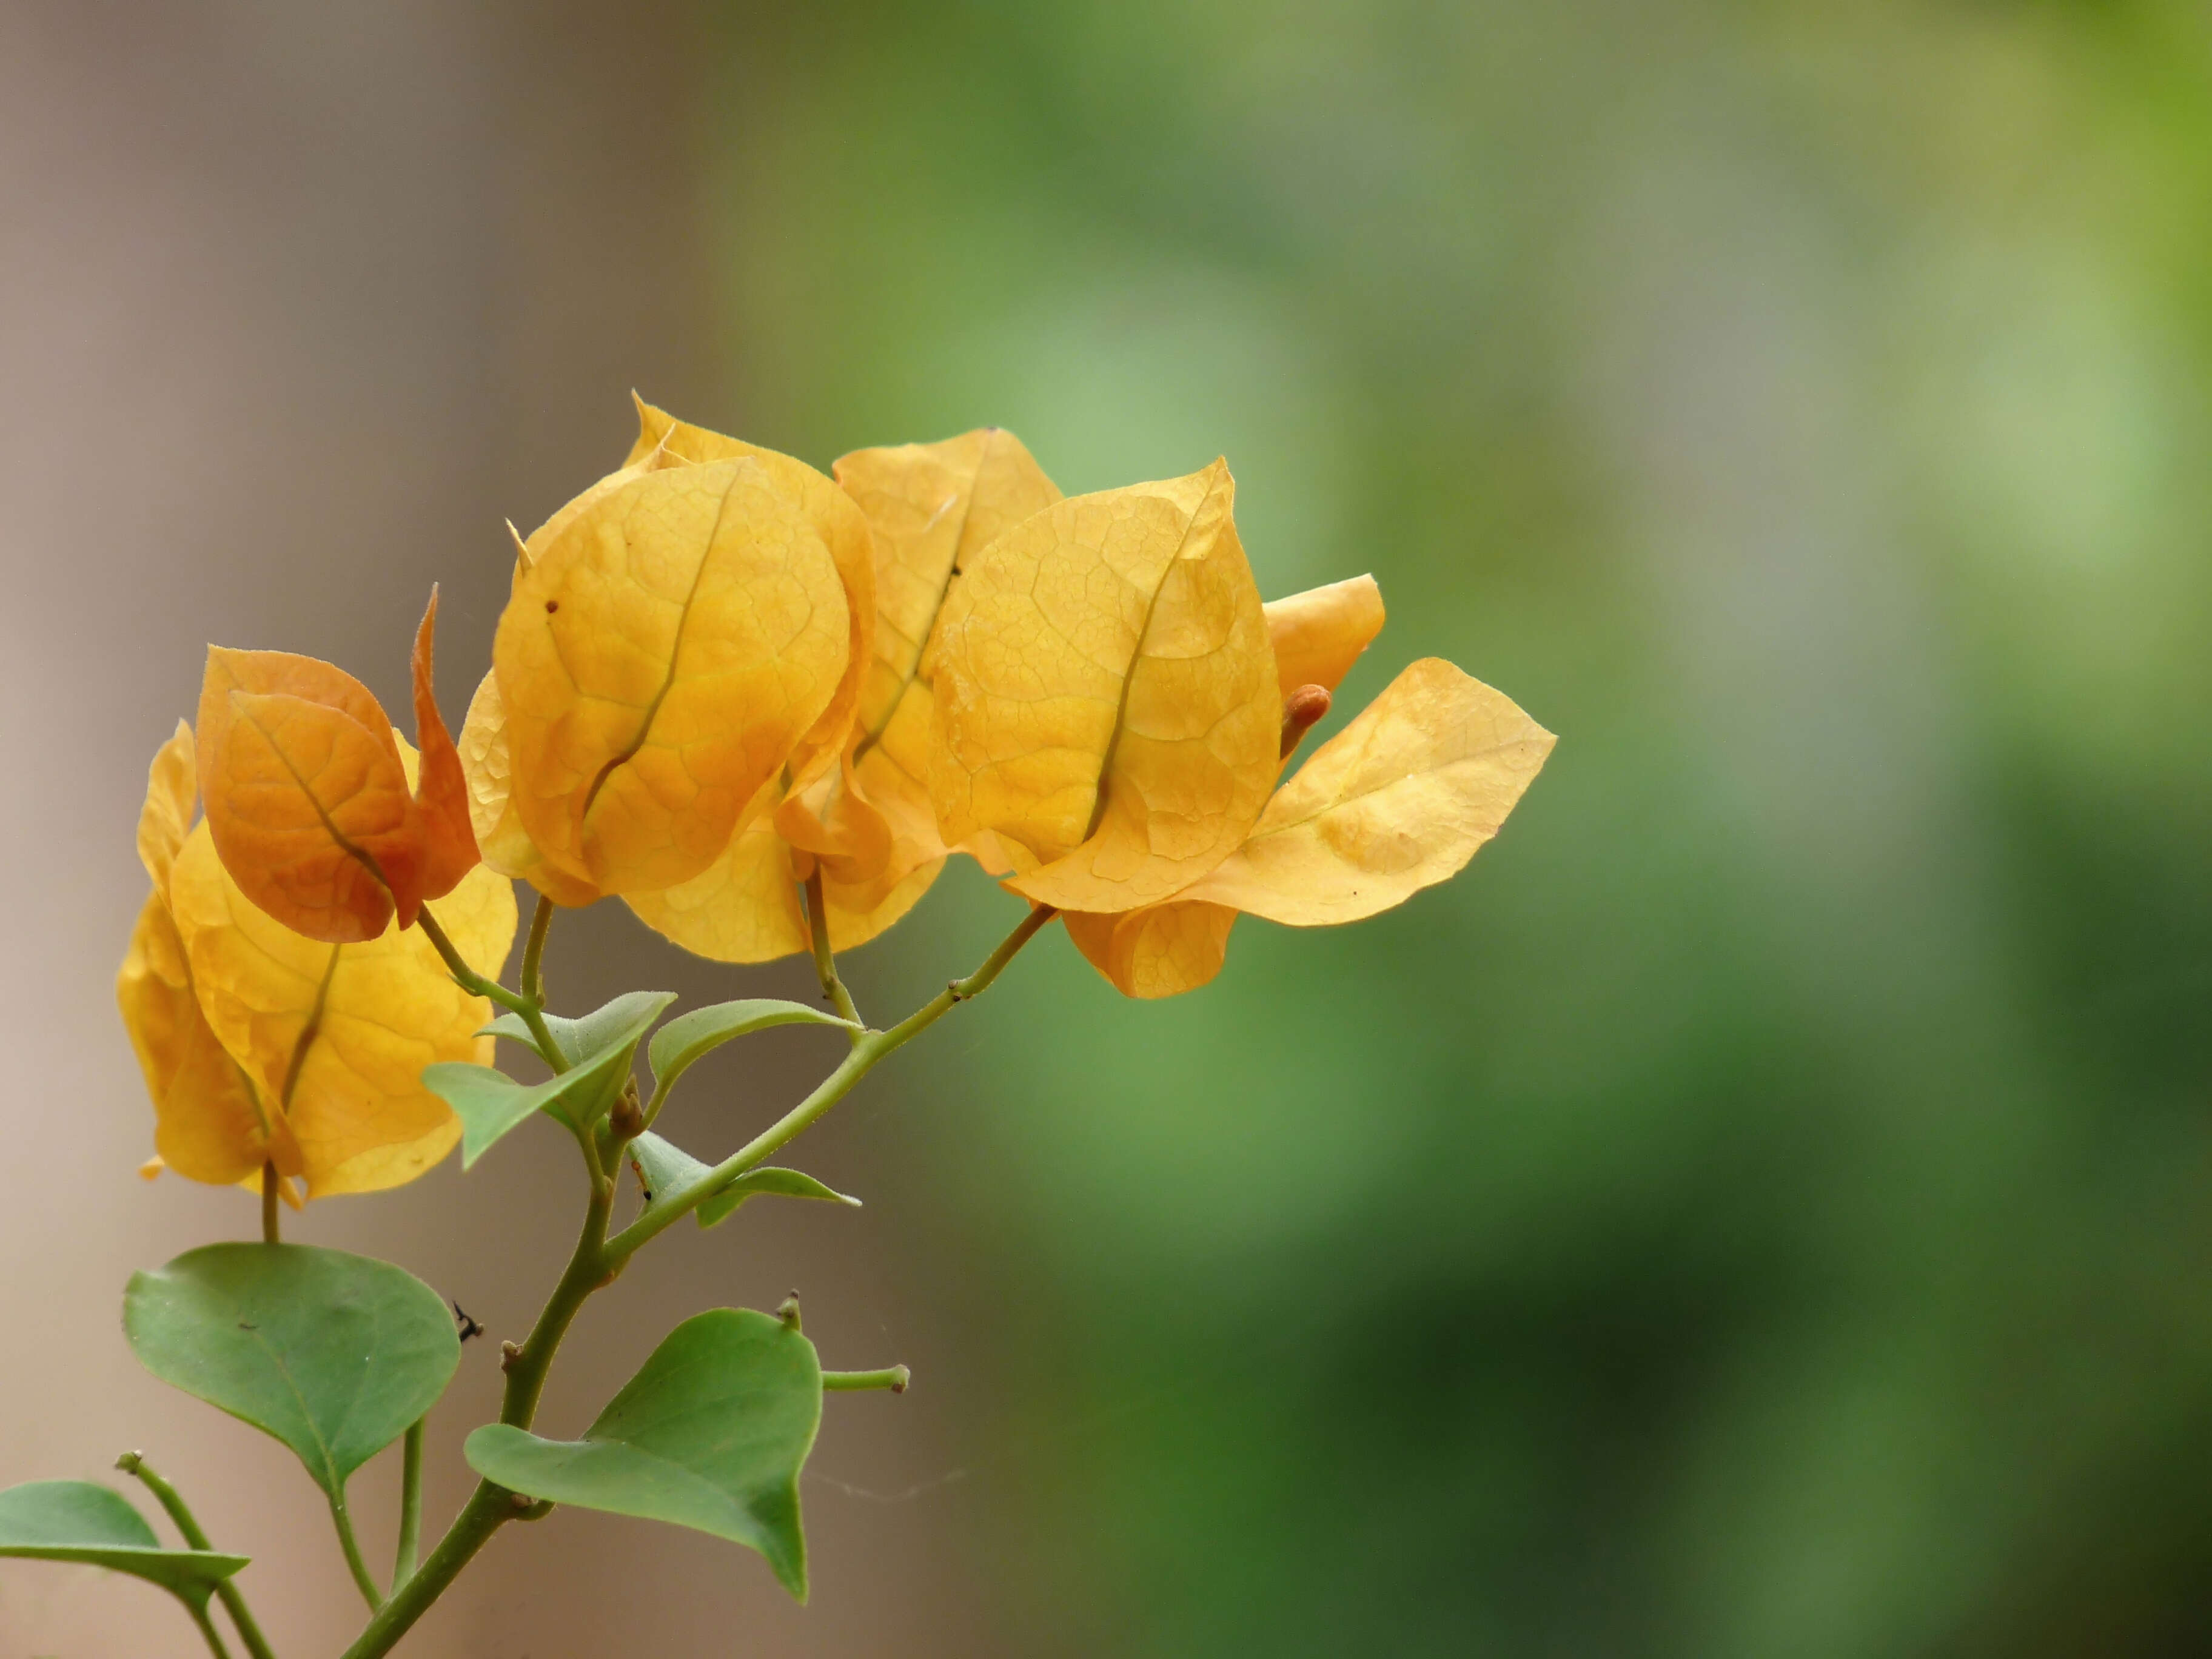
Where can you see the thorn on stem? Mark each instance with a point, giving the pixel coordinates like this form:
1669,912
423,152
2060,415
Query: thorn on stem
509,1352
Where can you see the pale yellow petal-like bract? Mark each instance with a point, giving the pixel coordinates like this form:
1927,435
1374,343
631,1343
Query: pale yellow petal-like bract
664,440
506,845
1318,633
1105,695
745,906
173,788
658,663
1397,801
933,508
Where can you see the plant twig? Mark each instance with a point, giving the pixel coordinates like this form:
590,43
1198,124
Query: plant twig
533,952
825,964
894,1377
410,1505
188,1527
343,1521
271,1233
532,1014
872,1047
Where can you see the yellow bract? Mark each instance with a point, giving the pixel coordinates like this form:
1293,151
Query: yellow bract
209,1123
848,798
661,659
1318,633
1105,699
261,1045
932,508
1400,799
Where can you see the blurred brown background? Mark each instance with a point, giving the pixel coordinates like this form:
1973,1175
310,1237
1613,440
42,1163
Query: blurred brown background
1764,1207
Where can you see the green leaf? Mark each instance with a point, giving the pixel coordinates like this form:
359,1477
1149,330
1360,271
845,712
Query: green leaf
78,1521
666,1168
581,1039
688,1037
709,1434
489,1102
333,1354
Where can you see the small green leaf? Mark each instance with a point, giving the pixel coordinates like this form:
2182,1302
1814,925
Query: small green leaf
489,1102
666,1168
78,1521
333,1354
580,1039
709,1434
688,1037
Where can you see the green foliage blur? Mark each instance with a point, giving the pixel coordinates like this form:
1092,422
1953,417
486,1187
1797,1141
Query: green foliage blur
1764,1205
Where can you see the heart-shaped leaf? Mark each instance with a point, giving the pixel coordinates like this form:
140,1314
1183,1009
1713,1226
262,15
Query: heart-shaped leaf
688,1037
601,1046
710,1435
666,1168
78,1521
333,1354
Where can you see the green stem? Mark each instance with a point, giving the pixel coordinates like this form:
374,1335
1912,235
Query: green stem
894,1377
476,984
489,1507
533,952
825,963
207,1628
870,1047
188,1527
359,1567
594,1263
410,1505
271,1233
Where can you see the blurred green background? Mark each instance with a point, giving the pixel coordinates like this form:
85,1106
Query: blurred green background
1763,1206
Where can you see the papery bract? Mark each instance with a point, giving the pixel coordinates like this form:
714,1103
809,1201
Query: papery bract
332,1037
868,827
660,660
306,799
209,1124
1105,696
1318,633
1400,799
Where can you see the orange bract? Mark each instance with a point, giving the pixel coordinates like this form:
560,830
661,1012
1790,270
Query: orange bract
308,805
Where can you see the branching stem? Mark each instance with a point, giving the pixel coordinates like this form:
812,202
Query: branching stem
410,1505
342,1520
532,1012
597,1258
188,1529
825,964
870,1047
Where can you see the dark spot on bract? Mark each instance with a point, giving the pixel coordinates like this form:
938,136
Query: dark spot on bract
551,605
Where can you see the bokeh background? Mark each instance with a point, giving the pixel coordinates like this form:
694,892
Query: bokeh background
1764,1207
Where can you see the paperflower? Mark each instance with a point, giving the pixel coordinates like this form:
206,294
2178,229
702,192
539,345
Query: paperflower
309,803
261,1045
1114,702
